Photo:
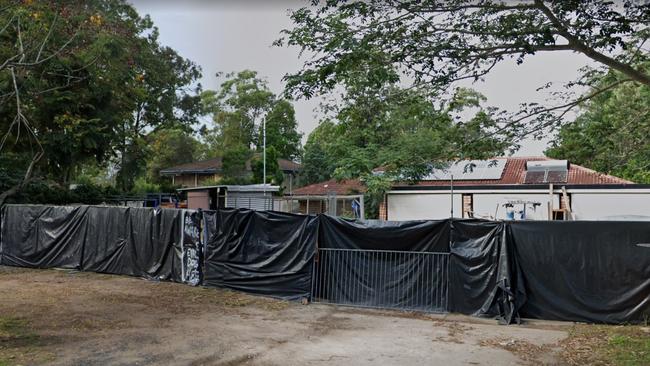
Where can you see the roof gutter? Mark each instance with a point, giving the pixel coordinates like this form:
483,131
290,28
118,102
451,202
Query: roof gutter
187,171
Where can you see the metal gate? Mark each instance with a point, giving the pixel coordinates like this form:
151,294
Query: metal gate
382,279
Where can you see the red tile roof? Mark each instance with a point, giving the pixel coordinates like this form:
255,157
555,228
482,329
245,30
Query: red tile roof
352,186
514,172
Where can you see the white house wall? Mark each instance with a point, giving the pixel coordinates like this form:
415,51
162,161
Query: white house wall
489,204
586,204
422,206
607,206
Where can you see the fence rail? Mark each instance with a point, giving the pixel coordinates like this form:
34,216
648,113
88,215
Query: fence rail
381,279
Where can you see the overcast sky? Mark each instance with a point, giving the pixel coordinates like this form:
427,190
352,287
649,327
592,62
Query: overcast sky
236,35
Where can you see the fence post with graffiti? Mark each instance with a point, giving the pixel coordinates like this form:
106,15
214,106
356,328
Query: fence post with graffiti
192,248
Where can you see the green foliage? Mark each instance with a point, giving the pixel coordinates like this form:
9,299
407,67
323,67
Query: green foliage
273,173
167,148
235,162
94,82
318,160
239,110
377,186
281,131
438,43
406,131
12,167
142,186
399,130
48,192
611,133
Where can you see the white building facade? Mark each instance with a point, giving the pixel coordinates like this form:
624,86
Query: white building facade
519,189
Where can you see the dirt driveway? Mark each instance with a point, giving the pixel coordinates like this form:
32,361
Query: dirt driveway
72,318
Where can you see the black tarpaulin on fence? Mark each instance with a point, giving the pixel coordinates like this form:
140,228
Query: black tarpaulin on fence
584,271
261,252
134,241
42,236
413,236
580,271
383,263
139,242
484,279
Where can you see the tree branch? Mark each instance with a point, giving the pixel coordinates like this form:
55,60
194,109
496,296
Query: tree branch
567,107
580,46
49,33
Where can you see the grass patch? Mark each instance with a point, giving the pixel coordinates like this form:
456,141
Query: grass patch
608,345
18,343
15,331
629,348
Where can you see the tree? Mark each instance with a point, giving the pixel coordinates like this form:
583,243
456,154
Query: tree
167,148
281,131
273,172
163,94
25,51
234,165
375,122
406,136
437,43
90,81
239,110
611,133
318,163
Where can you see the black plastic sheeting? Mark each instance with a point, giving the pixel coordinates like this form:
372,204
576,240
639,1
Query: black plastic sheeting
119,240
578,271
416,236
393,275
483,275
584,271
42,236
261,252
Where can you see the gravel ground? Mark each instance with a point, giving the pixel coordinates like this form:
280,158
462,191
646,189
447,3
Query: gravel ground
59,317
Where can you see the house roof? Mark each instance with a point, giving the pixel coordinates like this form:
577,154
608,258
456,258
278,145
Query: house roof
236,188
289,166
345,187
212,166
514,173
201,167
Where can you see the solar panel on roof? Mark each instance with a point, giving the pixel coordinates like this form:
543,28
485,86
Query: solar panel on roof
535,177
557,177
470,170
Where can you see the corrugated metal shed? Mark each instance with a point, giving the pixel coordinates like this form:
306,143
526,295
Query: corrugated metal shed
254,196
259,201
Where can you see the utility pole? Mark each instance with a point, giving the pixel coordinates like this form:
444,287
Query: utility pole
264,155
452,196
